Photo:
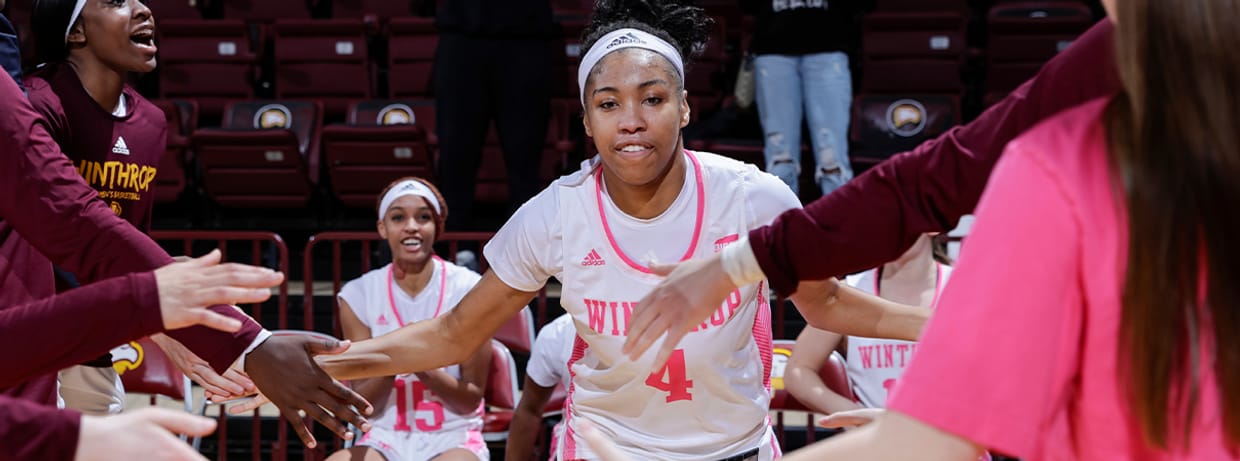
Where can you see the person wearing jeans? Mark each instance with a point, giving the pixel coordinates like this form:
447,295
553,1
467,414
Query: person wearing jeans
801,73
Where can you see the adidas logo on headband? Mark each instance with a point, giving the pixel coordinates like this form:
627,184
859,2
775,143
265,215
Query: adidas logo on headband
626,39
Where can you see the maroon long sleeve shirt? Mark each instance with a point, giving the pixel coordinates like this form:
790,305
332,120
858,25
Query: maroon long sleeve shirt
47,209
877,216
30,430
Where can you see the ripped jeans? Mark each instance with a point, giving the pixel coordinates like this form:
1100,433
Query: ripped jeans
819,85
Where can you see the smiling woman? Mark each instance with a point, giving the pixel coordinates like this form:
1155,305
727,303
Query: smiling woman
113,135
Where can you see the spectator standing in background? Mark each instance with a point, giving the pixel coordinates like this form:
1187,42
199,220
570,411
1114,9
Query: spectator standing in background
493,64
801,73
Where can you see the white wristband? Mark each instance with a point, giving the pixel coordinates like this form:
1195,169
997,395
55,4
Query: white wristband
740,264
258,341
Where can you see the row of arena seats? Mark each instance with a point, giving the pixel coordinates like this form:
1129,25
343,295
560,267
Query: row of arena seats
277,154
277,49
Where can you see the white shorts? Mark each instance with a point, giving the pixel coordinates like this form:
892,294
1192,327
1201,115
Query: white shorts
95,391
422,446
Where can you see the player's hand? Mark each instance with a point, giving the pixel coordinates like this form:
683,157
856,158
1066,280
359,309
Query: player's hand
187,288
690,293
283,367
146,434
232,384
850,419
602,446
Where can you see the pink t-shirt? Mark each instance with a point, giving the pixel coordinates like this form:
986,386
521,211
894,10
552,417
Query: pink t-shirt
1021,354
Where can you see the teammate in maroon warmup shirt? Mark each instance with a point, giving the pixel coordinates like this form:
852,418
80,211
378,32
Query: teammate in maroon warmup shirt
115,138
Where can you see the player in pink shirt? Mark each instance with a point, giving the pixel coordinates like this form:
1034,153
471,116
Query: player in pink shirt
1111,338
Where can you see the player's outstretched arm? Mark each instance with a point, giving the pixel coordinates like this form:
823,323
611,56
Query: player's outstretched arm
814,348
833,306
445,340
894,436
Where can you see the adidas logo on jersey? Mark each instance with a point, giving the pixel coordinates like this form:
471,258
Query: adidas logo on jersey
383,321
593,259
120,147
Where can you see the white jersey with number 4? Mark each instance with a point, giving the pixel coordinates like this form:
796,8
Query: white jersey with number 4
710,401
384,307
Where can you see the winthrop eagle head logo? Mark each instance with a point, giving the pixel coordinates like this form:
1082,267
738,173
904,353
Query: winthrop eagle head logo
116,208
127,357
906,117
779,363
396,114
273,116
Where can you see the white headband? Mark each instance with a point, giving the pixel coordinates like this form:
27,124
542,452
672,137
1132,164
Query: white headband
408,187
626,38
77,11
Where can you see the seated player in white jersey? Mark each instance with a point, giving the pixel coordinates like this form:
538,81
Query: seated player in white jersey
548,367
644,199
435,414
873,365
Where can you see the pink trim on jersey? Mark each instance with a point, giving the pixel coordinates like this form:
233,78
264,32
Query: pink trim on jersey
776,452
443,285
762,334
697,227
474,442
570,445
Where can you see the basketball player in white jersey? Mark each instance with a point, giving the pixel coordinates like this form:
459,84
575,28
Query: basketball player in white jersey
435,414
547,369
873,365
644,199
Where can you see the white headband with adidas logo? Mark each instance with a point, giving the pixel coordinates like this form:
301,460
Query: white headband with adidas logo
77,12
626,38
408,187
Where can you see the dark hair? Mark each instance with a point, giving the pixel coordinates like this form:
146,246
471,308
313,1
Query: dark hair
938,249
686,27
440,218
49,19
1176,156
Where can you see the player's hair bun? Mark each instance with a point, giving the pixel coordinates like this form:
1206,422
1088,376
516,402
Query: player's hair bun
686,27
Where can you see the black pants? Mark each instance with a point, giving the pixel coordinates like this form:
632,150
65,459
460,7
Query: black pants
478,80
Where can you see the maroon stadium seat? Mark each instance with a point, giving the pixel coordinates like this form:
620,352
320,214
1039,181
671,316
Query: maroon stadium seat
913,52
265,156
411,54
173,9
171,179
265,11
210,61
500,395
1024,35
886,124
382,141
327,60
374,10
833,374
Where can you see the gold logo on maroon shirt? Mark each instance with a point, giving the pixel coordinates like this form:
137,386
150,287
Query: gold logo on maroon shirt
127,357
117,180
116,208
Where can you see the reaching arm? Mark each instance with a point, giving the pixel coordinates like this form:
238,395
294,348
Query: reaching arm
462,396
832,306
893,436
47,202
445,340
814,348
931,187
527,421
374,390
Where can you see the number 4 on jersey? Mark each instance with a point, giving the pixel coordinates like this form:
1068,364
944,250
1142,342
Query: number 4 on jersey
676,385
